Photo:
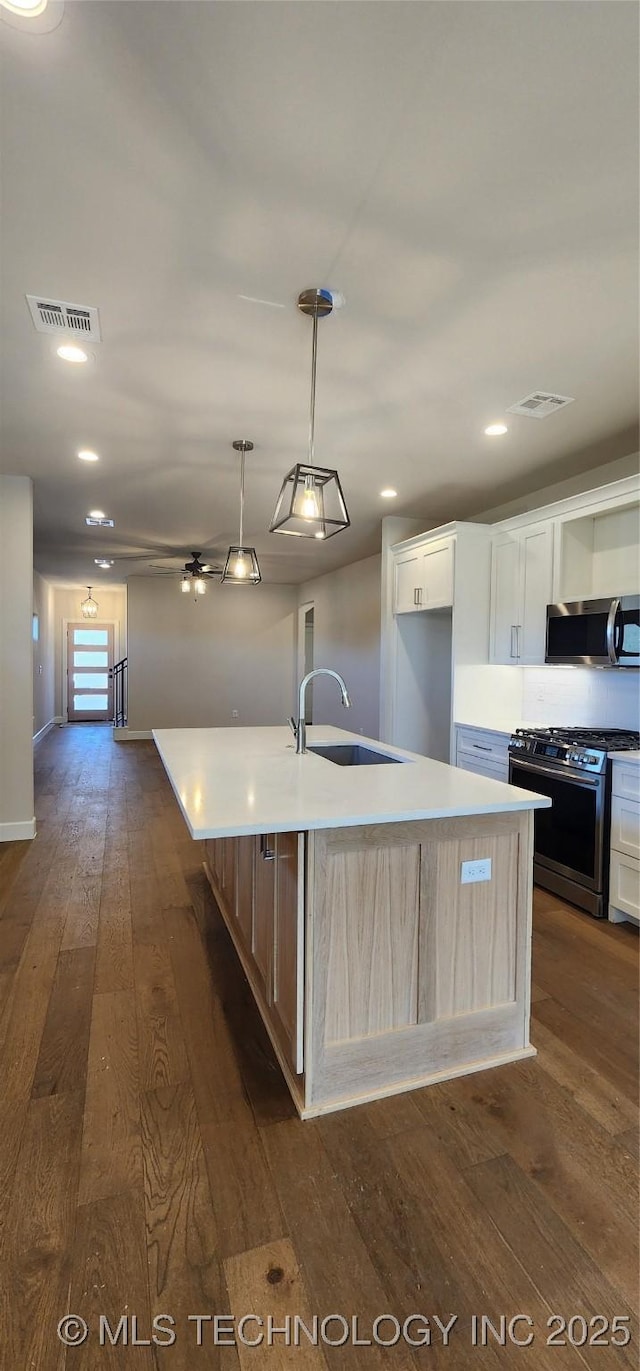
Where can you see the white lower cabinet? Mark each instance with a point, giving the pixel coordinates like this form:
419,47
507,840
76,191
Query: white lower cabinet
624,871
483,752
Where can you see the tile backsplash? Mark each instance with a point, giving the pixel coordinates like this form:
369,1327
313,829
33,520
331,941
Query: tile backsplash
581,695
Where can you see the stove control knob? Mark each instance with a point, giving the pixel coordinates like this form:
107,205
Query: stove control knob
590,761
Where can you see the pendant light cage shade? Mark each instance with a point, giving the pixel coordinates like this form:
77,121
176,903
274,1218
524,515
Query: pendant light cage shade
310,504
89,607
241,567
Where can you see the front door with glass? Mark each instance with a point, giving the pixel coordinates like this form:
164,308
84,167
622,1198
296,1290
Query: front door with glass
89,672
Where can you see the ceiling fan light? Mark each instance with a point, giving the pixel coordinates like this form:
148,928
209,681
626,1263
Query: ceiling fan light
310,504
185,584
199,585
242,567
89,607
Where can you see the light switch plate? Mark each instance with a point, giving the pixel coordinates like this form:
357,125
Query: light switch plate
479,870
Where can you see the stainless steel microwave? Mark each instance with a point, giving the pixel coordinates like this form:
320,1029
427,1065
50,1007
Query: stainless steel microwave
594,632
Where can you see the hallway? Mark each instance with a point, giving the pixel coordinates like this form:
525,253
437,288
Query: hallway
151,1161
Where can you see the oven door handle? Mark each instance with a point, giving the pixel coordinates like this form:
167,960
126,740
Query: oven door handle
614,609
581,779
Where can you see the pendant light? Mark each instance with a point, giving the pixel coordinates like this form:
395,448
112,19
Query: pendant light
89,607
311,503
241,567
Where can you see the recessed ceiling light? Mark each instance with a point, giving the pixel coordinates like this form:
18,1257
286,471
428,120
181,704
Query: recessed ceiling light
495,430
388,493
86,455
70,353
29,8
104,562
97,514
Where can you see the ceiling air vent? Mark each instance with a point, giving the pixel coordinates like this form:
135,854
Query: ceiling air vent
58,316
540,404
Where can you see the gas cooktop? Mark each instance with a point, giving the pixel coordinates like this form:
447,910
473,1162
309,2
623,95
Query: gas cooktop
622,738
583,748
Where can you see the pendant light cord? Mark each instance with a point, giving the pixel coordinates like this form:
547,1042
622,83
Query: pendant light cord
312,409
241,539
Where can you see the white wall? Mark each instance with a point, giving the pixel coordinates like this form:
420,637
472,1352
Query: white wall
66,608
191,664
16,658
562,490
579,695
347,639
43,655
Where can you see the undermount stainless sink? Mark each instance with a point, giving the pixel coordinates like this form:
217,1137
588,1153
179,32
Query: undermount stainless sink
351,754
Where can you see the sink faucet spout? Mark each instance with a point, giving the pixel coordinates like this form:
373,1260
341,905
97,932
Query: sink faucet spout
298,726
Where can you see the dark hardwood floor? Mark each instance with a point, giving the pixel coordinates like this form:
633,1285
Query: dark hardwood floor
151,1161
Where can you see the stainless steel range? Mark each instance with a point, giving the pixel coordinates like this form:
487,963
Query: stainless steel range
572,838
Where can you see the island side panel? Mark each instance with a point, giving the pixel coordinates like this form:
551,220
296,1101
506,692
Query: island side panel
378,1019
372,961
468,932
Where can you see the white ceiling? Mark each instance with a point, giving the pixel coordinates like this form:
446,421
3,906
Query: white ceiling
465,173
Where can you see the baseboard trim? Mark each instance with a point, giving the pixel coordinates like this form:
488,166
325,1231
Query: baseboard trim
131,735
16,832
42,732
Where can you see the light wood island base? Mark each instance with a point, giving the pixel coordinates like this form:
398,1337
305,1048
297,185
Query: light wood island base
375,970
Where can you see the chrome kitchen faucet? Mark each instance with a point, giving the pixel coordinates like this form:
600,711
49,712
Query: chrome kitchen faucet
299,728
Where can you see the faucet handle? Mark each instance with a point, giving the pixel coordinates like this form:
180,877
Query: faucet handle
293,725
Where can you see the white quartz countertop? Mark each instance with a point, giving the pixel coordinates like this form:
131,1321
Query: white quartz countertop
502,729
630,757
233,781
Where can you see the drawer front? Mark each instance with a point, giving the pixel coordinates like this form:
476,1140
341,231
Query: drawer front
626,781
493,746
625,826
484,766
624,884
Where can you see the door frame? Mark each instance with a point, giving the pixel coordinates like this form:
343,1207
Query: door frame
64,696
303,610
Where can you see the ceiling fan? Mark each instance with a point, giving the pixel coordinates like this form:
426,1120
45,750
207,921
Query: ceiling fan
197,568
194,574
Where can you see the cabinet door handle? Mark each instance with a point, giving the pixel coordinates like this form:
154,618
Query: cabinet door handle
518,644
267,853
484,747
417,595
514,641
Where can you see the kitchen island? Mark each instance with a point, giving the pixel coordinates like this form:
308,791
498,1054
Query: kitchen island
381,912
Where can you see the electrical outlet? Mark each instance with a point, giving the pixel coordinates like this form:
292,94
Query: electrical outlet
234,714
475,871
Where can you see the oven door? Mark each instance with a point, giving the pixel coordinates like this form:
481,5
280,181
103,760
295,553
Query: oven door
569,836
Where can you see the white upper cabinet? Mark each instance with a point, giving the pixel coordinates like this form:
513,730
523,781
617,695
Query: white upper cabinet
521,589
424,577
